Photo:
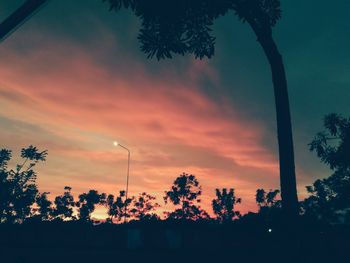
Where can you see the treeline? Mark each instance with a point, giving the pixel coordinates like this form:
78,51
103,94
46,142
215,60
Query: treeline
21,200
329,200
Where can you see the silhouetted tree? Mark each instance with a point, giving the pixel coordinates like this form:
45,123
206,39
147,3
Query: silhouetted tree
267,199
182,26
269,205
64,205
144,206
44,209
260,197
333,145
18,190
87,203
116,207
185,192
320,204
224,205
331,195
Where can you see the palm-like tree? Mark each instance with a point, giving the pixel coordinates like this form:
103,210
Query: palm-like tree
183,26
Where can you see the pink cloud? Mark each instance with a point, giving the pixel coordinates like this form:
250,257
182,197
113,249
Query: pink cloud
169,124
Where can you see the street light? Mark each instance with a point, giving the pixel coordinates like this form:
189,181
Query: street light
116,144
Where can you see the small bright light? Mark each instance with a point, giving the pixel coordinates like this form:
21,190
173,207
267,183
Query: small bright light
270,230
115,143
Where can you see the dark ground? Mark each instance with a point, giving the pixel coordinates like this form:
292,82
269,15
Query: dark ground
75,242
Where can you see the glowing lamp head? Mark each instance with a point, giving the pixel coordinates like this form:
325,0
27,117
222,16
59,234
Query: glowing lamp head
115,143
270,230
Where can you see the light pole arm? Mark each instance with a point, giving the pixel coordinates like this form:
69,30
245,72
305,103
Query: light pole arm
124,147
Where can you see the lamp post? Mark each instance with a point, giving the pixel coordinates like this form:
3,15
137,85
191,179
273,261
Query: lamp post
115,143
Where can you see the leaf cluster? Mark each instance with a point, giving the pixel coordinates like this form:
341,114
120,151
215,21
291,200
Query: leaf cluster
18,190
224,204
267,199
117,206
332,145
87,203
185,192
143,206
183,26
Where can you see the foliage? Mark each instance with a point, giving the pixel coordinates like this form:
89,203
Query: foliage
331,195
267,199
18,190
224,204
143,206
185,192
64,205
44,206
182,26
269,205
188,212
87,203
332,146
117,209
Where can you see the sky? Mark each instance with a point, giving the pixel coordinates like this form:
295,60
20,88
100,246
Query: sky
73,80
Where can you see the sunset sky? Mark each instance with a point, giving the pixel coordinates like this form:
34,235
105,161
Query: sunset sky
73,80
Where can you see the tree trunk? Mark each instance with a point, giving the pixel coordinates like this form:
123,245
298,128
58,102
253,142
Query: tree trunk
284,127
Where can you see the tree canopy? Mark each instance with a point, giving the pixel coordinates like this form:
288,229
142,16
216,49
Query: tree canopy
18,190
224,204
87,203
144,206
117,206
182,26
185,192
64,205
332,194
